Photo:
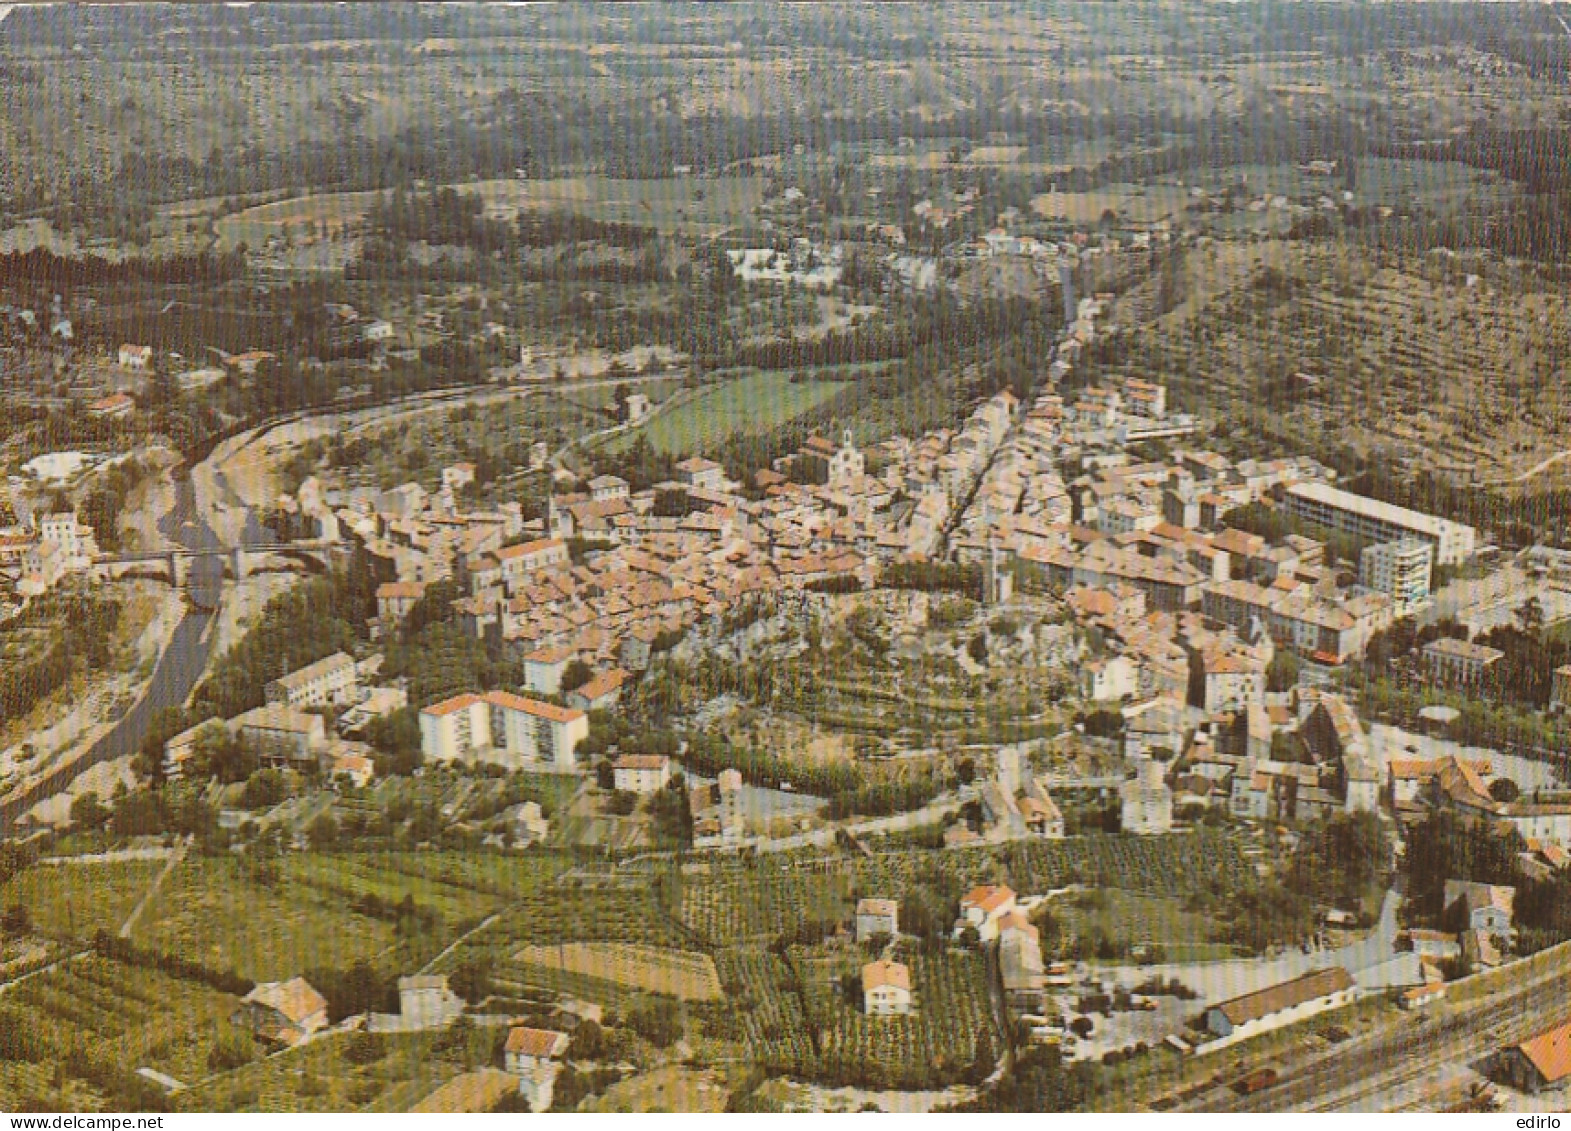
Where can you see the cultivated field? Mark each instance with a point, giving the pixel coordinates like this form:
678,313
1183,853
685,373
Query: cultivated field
1460,365
678,974
80,899
115,1016
694,206
799,1020
750,404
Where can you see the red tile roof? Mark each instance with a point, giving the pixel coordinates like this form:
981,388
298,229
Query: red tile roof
1550,1053
535,1042
452,706
533,707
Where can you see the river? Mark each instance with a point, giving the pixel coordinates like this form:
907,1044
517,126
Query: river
177,670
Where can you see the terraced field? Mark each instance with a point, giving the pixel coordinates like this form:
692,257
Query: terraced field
120,1015
1462,366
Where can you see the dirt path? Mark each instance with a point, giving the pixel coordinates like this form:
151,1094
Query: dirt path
1539,467
158,881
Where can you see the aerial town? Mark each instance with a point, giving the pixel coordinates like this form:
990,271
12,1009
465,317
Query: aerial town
920,614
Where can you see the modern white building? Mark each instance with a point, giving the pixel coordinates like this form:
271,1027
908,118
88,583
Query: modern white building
1371,519
501,727
329,680
1401,570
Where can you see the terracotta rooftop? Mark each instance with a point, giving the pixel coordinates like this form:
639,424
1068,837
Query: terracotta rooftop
535,1042
876,975
1274,999
1550,1053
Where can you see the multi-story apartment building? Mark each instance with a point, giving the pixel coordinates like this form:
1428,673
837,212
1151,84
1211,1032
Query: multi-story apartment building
330,680
1401,570
1376,521
507,727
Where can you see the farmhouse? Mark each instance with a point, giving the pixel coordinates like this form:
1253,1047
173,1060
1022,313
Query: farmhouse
136,357
116,406
641,773
601,693
877,917
1480,907
533,1055
982,907
886,988
1283,1004
426,1002
1541,1063
282,1013
543,669
394,599
702,473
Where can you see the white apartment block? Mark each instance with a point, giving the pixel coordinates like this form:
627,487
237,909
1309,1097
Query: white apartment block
468,726
1372,519
1401,570
331,680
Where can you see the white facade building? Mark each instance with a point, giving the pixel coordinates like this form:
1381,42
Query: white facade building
470,726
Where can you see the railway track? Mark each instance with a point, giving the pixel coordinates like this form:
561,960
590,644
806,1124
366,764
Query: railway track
1396,1057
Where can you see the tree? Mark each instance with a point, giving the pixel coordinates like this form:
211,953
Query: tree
588,1042
218,753
16,922
1530,616
605,775
230,1051
575,675
1504,790
1282,672
263,790
471,981
323,833
87,812
657,1020
622,803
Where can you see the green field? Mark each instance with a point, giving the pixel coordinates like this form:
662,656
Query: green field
754,403
696,206
79,899
1135,919
320,1077
114,1016
215,911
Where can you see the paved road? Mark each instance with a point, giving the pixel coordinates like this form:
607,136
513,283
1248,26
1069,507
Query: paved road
1357,1075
